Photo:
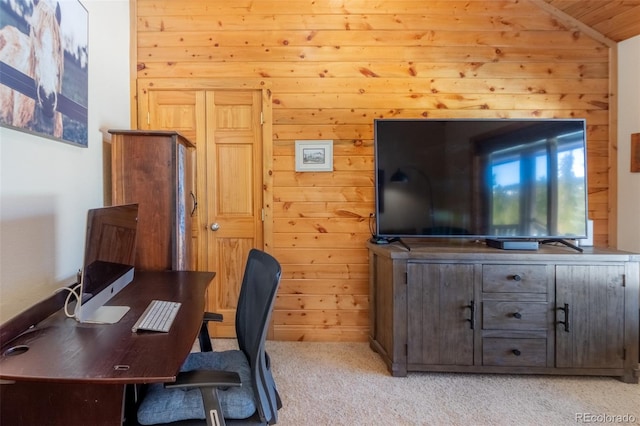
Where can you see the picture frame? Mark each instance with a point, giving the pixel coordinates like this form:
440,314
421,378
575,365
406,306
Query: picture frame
44,68
314,155
635,153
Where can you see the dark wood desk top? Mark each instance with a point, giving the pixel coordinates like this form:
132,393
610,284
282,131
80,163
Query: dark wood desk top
63,350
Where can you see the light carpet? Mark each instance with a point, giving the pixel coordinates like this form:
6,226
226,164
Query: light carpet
348,384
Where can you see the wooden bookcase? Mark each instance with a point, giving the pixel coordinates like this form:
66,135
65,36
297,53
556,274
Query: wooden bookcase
156,170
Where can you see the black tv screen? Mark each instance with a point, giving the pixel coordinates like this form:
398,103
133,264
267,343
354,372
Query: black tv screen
502,178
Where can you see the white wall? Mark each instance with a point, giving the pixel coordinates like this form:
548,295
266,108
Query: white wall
47,186
628,123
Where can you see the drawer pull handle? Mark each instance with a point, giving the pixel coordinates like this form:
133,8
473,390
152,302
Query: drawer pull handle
195,203
471,320
566,317
517,315
517,277
516,352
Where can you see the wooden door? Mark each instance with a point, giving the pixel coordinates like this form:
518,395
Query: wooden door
234,194
439,314
226,127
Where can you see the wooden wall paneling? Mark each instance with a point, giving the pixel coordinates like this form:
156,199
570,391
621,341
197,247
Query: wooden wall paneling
612,155
332,67
479,53
133,62
380,69
292,7
267,172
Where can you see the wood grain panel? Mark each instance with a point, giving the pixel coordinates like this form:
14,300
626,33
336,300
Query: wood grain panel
319,180
443,37
399,67
365,53
319,286
440,85
323,226
341,20
313,302
319,209
344,240
322,256
336,272
325,317
333,67
293,7
321,333
327,194
366,116
441,101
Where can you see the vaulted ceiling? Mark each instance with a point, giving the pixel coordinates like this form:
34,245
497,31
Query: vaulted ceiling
617,20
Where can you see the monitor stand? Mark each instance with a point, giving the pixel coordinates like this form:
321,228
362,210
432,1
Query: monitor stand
386,240
107,314
96,310
564,242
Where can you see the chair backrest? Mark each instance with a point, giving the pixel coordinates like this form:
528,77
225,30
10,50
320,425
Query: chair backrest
255,305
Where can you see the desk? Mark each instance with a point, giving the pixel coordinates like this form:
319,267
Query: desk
75,374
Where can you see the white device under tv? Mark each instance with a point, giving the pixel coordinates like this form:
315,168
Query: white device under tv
108,265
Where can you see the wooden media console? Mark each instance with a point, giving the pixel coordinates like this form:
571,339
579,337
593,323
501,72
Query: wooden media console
464,307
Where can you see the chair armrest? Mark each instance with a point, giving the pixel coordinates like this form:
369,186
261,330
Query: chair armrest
205,339
208,382
205,378
212,316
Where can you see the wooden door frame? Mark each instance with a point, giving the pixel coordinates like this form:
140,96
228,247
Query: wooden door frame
144,85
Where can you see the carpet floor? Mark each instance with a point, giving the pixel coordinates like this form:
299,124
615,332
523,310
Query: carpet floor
348,384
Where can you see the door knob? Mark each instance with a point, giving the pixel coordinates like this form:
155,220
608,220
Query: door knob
215,226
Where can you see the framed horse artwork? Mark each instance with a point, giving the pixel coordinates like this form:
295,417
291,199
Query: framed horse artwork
44,74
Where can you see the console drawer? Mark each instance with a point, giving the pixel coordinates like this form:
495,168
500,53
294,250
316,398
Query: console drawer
509,315
514,352
514,278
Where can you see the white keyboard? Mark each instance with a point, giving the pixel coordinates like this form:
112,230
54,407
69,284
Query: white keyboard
158,316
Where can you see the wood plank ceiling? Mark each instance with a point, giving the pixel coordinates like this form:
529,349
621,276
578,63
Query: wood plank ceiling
617,20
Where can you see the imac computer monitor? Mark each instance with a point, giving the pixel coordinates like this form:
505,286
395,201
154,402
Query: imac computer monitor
108,265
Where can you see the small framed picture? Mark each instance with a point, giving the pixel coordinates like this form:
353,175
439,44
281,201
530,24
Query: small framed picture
635,153
314,156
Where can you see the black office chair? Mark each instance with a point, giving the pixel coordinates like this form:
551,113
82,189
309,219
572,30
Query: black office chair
231,387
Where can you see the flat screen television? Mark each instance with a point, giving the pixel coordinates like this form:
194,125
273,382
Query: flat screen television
108,265
481,178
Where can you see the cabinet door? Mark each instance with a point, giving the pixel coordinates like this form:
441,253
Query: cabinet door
439,314
185,255
594,296
146,171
